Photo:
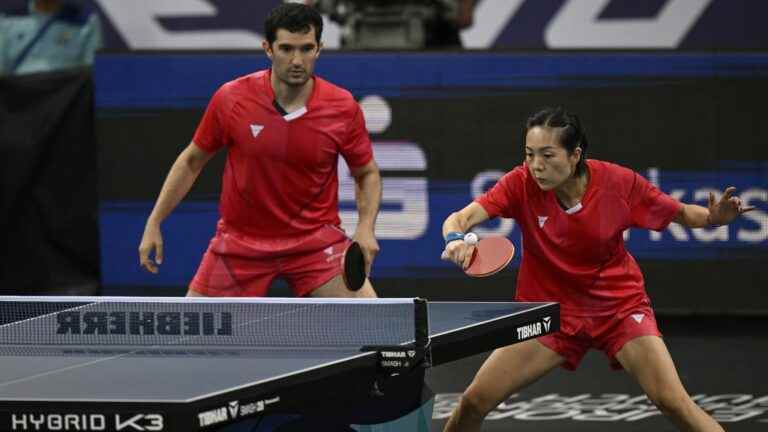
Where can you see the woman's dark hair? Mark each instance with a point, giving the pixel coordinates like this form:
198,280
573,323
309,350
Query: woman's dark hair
571,134
294,17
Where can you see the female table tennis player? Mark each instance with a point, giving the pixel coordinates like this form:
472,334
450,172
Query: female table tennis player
572,212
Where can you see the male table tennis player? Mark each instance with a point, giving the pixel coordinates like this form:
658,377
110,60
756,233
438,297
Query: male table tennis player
283,128
572,213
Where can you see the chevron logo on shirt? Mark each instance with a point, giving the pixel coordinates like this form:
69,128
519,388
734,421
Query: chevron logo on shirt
638,317
542,220
256,129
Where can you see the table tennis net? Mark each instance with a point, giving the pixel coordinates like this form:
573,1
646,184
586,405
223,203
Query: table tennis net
268,323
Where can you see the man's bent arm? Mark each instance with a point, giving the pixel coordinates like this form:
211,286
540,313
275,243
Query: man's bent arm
179,181
367,194
368,198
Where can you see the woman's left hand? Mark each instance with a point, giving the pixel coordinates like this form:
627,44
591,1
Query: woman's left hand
725,210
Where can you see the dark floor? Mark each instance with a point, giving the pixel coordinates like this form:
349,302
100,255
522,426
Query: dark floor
720,360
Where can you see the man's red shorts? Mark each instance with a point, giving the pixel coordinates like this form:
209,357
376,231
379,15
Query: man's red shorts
236,265
606,333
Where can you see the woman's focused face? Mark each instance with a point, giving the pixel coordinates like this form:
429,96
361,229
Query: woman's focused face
548,161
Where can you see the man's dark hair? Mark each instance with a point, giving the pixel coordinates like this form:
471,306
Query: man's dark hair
294,17
571,134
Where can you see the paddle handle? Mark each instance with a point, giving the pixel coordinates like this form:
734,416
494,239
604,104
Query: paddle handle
470,238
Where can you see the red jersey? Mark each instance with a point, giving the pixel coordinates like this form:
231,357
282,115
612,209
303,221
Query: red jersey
577,257
281,176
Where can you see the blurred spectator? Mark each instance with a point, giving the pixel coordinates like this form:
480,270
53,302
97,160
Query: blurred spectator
54,35
399,24
443,31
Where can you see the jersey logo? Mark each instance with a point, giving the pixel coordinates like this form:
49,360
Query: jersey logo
542,220
638,317
256,129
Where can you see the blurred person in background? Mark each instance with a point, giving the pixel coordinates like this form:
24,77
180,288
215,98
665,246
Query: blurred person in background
443,31
399,24
53,35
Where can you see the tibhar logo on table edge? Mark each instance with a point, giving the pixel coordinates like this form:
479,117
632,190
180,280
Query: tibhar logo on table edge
233,410
534,329
144,323
86,422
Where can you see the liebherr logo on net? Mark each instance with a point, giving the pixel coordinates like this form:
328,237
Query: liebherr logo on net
143,323
86,422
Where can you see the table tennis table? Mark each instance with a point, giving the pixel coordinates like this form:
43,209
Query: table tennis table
184,364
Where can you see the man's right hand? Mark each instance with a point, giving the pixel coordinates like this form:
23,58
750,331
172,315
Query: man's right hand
151,241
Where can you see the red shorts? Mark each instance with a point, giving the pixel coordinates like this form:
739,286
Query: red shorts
236,265
607,333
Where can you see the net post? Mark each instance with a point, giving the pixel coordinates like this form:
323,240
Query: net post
421,330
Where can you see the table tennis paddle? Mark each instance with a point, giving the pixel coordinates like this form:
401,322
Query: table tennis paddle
353,267
490,256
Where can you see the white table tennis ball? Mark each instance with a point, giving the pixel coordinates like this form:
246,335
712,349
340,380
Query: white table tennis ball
470,238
